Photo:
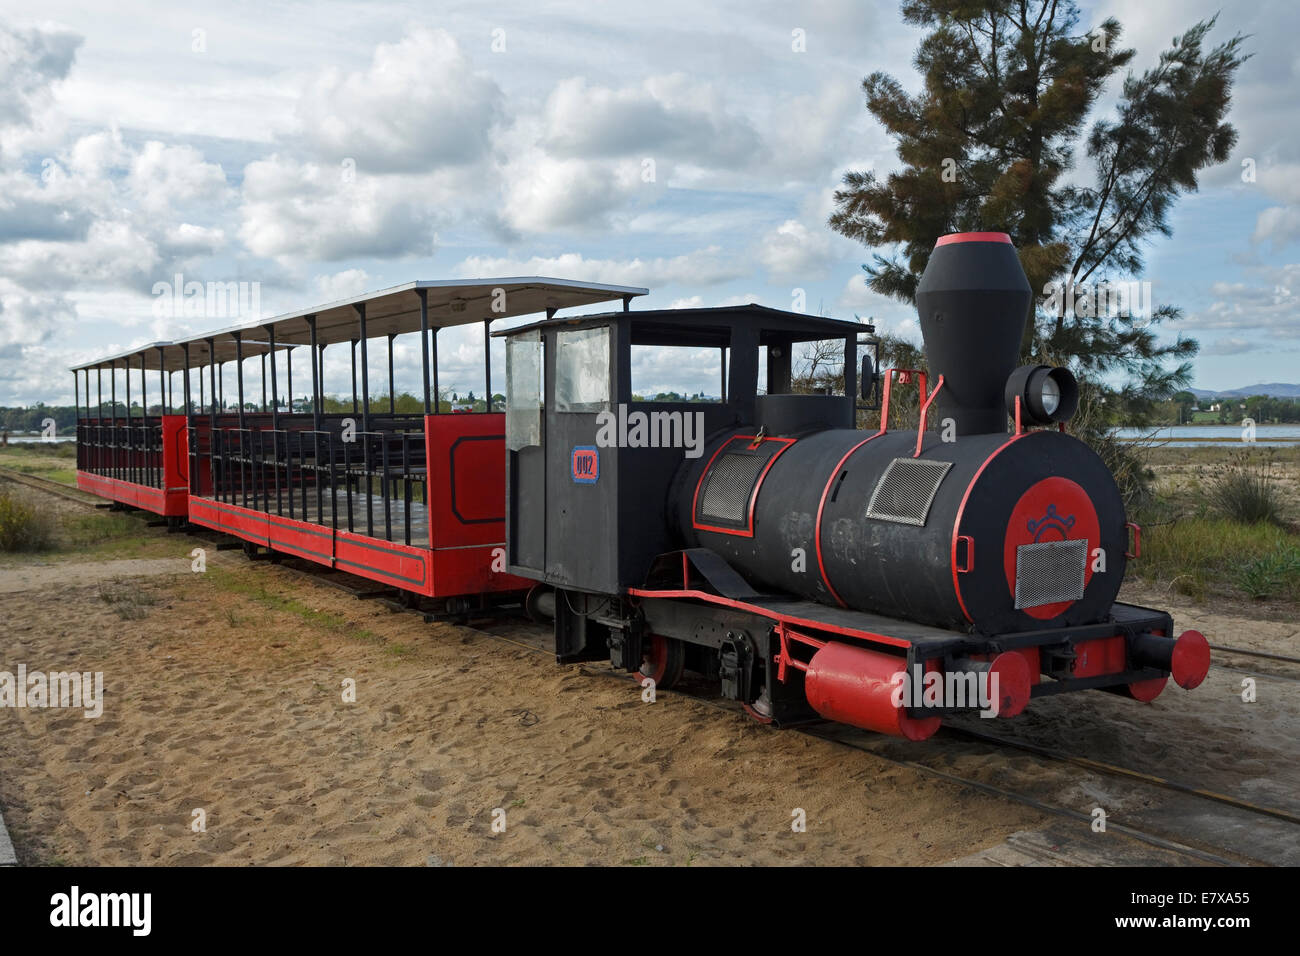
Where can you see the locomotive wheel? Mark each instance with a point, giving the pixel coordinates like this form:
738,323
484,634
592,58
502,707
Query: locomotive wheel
760,709
663,660
250,550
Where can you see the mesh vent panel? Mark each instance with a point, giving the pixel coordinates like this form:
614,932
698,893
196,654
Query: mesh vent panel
906,490
1050,571
730,483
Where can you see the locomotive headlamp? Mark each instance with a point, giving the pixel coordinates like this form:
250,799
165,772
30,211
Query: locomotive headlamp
1046,394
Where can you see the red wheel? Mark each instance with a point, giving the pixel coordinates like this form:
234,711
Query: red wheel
662,660
761,717
1146,690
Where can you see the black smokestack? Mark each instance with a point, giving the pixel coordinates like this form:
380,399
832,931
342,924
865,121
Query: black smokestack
973,300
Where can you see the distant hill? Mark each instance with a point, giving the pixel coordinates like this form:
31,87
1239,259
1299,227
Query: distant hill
1271,389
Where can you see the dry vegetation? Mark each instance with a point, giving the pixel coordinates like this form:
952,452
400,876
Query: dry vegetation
1223,523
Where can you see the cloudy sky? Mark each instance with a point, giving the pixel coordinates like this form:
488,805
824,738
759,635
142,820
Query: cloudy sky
327,149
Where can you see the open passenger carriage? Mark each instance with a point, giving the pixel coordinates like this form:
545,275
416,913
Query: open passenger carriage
411,499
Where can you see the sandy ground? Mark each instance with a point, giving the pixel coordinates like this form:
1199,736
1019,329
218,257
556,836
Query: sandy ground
223,692
38,576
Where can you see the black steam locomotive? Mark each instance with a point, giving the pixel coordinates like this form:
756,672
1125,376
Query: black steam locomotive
883,579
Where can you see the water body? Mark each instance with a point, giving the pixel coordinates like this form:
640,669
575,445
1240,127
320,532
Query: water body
1173,436
1191,436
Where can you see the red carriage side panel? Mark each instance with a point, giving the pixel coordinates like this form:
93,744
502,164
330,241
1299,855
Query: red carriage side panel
467,489
172,499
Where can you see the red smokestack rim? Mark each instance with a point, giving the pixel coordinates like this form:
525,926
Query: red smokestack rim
972,237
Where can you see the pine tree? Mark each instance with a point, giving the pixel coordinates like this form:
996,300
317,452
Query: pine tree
989,144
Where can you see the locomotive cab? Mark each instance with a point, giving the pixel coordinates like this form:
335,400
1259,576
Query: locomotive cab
590,462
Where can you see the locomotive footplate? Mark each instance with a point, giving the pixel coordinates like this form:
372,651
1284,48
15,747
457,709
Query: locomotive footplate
1129,653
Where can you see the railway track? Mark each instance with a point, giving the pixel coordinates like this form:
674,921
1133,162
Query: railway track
48,485
924,762
1101,766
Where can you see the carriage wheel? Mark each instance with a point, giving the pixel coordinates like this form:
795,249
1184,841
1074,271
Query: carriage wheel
663,659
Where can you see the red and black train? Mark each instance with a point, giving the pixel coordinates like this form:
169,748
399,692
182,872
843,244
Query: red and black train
885,579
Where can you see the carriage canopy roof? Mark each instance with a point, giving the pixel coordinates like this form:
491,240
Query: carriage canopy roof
392,311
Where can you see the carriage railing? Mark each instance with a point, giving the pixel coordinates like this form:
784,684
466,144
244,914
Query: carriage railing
127,450
358,481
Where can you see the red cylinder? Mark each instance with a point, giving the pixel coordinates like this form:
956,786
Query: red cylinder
1013,683
1190,660
855,686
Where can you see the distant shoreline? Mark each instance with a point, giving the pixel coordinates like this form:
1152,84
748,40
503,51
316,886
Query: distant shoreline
1212,439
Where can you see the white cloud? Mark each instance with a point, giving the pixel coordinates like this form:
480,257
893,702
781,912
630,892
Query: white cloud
1278,225
1231,346
30,62
188,239
131,157
703,267
113,252
163,177
544,193
421,104
793,251
889,315
343,285
293,210
665,116
1268,307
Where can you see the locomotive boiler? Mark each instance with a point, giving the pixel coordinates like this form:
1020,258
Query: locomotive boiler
890,520
815,570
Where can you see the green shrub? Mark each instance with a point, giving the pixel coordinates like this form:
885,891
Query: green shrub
1246,490
24,526
1274,575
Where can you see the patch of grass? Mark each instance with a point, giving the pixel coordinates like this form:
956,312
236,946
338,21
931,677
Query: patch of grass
1203,555
25,522
128,599
55,462
85,530
1246,490
262,594
1165,455
1275,575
